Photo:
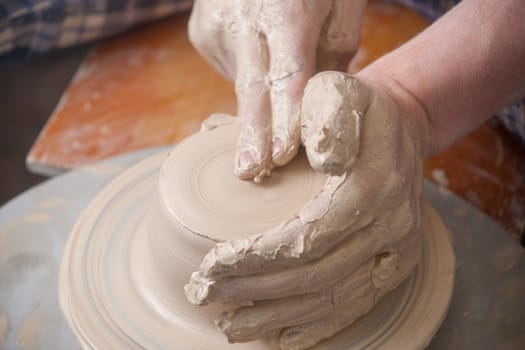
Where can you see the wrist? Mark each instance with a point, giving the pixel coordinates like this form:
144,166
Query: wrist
413,111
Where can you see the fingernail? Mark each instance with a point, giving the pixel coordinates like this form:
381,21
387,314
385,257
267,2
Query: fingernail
246,160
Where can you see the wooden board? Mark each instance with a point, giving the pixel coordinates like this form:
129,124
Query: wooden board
149,87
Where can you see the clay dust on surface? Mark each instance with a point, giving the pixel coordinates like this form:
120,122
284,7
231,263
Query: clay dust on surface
29,329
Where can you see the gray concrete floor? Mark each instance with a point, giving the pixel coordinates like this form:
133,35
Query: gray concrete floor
28,95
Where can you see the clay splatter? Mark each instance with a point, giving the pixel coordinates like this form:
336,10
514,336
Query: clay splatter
33,218
29,329
440,176
51,202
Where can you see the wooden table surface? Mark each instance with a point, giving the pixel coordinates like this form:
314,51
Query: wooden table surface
149,87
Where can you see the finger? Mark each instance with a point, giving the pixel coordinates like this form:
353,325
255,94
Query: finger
309,334
340,209
295,241
253,155
252,322
300,279
394,269
339,38
333,111
208,36
276,249
398,225
292,53
318,229
362,288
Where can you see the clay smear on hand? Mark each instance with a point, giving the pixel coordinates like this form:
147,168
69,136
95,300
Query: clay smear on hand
356,240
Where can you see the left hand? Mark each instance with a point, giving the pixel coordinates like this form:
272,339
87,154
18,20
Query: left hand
356,240
270,48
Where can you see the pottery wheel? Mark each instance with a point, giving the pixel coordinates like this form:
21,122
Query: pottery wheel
114,298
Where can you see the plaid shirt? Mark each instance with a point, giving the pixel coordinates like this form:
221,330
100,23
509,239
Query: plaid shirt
31,27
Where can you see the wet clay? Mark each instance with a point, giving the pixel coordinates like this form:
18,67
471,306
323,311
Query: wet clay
134,248
198,187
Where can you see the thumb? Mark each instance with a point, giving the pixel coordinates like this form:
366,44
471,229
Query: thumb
333,107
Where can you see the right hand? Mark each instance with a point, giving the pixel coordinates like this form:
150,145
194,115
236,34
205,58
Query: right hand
270,48
359,238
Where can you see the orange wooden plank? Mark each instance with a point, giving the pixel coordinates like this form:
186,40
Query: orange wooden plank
145,88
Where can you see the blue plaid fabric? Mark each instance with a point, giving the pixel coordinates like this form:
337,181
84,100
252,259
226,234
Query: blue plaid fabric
31,27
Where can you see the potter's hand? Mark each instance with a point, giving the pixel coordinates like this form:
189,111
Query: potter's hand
354,242
270,48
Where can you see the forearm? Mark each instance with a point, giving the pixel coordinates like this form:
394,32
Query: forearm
461,70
